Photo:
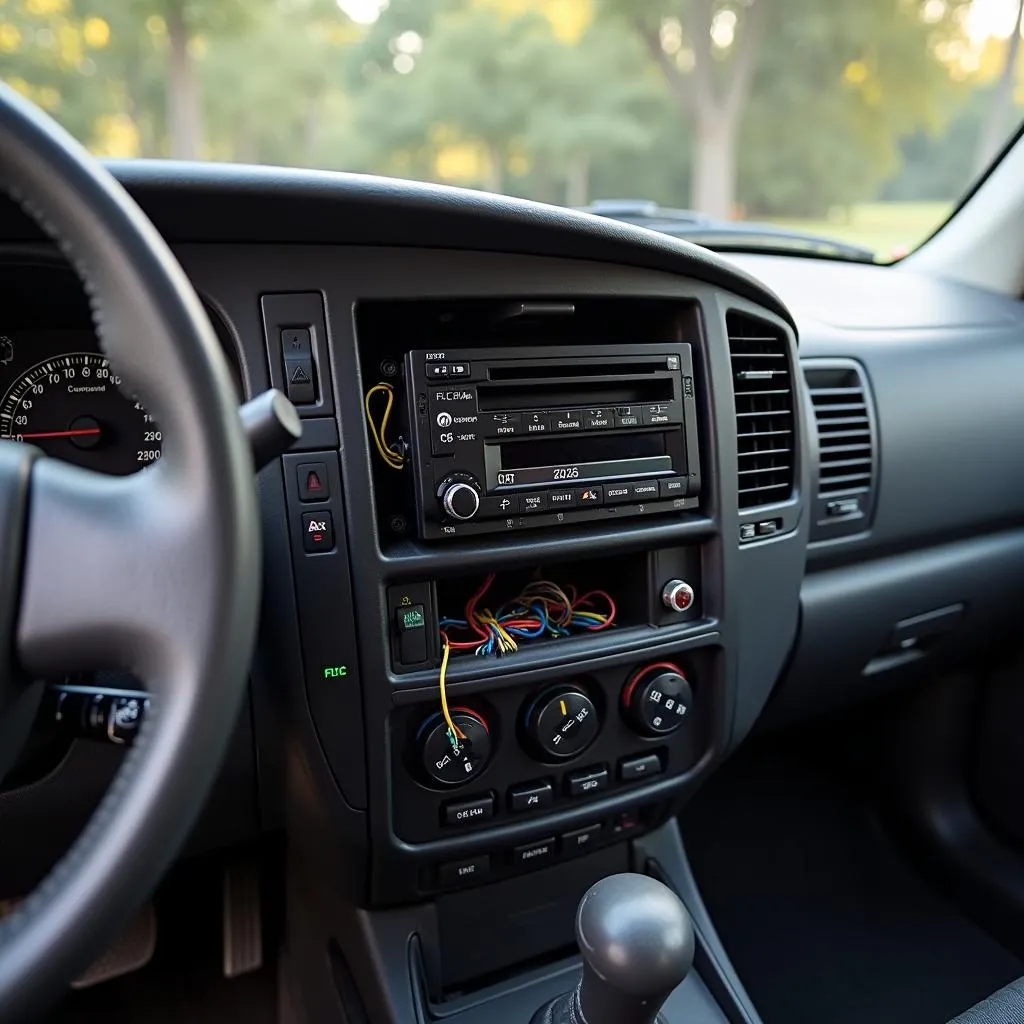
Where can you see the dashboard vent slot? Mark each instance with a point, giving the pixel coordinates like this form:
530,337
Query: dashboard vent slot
846,444
763,386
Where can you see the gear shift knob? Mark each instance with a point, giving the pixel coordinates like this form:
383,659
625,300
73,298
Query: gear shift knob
637,944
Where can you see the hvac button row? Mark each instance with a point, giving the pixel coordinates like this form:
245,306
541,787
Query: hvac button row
580,840
529,855
567,421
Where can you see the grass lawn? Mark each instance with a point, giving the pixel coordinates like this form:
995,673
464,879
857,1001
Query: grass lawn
884,228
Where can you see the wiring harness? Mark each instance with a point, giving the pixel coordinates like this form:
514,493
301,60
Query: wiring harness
392,454
542,610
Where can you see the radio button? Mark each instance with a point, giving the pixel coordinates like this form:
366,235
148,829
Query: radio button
502,424
672,488
592,495
597,419
566,421
536,423
458,369
537,502
647,491
627,416
437,371
617,494
561,499
496,505
657,415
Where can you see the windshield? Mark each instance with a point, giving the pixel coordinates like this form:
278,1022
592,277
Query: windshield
850,127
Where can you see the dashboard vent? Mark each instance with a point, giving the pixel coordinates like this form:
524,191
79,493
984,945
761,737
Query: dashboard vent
846,444
764,410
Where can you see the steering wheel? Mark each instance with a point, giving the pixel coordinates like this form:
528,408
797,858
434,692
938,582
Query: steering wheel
156,573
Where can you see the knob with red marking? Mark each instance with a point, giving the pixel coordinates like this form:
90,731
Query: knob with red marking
657,699
454,760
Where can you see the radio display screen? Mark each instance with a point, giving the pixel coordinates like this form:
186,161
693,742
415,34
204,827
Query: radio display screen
536,462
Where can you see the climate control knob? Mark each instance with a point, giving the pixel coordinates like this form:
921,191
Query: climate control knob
453,760
561,723
460,497
657,699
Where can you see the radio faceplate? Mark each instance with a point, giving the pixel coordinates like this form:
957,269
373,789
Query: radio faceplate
505,441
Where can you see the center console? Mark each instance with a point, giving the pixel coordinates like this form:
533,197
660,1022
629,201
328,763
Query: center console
511,523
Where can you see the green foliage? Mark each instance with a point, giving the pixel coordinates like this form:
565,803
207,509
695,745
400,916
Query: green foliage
833,103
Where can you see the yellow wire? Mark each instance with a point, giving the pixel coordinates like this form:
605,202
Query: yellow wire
455,730
392,458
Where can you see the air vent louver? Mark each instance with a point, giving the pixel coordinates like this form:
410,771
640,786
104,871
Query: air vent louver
763,386
846,443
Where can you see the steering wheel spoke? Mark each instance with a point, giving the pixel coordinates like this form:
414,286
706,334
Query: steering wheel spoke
111,574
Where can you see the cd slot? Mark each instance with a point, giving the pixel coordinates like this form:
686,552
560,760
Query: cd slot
545,370
570,393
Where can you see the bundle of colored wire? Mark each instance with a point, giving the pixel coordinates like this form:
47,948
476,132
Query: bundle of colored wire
392,456
543,609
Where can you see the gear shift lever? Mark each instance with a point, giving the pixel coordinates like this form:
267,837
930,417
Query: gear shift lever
637,944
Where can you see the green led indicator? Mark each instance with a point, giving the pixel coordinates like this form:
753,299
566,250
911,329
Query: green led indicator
412,618
335,671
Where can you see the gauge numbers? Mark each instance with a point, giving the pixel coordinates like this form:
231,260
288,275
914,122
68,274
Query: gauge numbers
70,406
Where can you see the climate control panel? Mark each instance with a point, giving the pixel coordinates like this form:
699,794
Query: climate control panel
520,752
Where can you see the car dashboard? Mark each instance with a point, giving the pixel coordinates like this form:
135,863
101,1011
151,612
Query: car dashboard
630,502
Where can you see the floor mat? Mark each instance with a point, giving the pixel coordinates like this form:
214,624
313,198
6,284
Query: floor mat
823,920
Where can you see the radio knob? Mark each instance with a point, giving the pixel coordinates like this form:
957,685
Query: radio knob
459,499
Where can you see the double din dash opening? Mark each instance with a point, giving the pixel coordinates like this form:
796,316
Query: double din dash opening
499,438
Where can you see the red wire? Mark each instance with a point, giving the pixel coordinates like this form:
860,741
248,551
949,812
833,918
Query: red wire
611,608
470,612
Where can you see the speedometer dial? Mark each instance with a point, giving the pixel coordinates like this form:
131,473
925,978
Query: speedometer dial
70,406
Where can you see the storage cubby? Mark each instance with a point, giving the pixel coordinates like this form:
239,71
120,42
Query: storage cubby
624,579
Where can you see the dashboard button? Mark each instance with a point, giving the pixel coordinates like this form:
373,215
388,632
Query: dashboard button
616,494
768,527
591,780
657,415
458,369
580,840
467,812
317,531
592,495
597,419
675,488
566,421
634,768
299,380
495,505
534,854
530,797
647,491
411,623
296,341
502,424
561,499
536,423
627,416
463,872
313,483
437,371
536,502
747,531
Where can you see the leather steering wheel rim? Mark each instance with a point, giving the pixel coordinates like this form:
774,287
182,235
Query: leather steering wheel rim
157,573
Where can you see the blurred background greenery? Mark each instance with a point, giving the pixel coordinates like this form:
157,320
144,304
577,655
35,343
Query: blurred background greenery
862,120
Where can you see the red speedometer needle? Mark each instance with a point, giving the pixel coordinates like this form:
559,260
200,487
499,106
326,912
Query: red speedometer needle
84,432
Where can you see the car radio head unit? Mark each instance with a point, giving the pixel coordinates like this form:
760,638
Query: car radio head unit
509,440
